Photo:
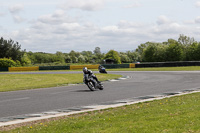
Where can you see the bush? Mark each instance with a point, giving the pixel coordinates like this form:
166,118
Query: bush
4,62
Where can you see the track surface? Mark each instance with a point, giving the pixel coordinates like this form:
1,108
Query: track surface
138,84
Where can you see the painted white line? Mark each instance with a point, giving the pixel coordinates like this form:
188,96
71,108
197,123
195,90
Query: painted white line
16,99
122,78
113,80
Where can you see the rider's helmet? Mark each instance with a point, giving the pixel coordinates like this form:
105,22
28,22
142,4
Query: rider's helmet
85,69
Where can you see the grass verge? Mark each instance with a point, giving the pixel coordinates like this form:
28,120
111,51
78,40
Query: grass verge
189,68
14,82
170,115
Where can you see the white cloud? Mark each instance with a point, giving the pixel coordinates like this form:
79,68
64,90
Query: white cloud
67,36
18,19
110,28
65,30
189,22
169,28
60,32
163,20
124,24
58,17
197,20
2,14
58,13
88,5
197,4
134,5
70,26
16,8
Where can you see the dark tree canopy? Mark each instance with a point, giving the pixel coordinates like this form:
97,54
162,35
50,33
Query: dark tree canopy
10,49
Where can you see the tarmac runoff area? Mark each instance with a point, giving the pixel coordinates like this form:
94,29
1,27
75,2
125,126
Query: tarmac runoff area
76,110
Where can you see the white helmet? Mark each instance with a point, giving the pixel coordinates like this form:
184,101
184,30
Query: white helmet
85,69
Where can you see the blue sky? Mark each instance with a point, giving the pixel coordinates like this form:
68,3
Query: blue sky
122,25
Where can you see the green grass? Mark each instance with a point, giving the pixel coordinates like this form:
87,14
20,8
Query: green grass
14,82
170,115
189,68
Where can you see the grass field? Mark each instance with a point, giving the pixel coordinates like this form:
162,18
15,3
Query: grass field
13,82
178,114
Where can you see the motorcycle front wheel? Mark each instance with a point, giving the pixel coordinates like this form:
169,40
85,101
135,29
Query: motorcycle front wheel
91,86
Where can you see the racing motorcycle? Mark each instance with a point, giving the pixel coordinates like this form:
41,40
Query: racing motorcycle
92,83
102,69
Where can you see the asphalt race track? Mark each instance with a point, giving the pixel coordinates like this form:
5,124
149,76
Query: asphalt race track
138,84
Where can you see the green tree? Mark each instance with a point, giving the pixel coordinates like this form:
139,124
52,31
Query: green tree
150,53
81,59
133,56
124,58
60,57
88,56
10,49
193,52
97,55
112,54
31,57
67,58
161,53
169,41
185,40
97,51
174,52
74,56
25,60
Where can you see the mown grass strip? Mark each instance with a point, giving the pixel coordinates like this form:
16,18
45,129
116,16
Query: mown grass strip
170,115
189,68
14,82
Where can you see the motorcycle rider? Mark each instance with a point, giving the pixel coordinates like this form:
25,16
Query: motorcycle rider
102,69
90,73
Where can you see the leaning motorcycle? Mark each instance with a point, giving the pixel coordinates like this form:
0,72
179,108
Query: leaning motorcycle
102,69
92,83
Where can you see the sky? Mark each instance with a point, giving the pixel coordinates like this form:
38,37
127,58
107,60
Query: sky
81,25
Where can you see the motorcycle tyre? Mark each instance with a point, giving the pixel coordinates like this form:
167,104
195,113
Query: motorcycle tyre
91,86
101,87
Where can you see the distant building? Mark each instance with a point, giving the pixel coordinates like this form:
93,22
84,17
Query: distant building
109,61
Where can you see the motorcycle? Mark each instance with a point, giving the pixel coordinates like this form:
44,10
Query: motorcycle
102,69
92,83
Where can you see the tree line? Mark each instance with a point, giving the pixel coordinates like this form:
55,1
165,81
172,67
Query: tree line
182,49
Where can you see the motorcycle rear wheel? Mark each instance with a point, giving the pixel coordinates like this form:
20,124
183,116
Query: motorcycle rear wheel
101,87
